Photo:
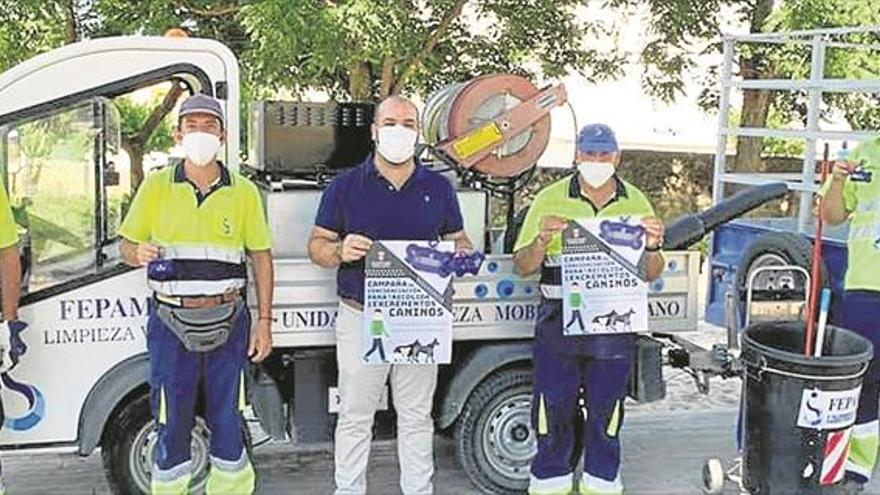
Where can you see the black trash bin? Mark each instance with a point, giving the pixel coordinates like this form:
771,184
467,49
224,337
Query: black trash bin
797,408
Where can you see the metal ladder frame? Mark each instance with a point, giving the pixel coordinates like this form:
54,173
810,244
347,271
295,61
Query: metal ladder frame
819,41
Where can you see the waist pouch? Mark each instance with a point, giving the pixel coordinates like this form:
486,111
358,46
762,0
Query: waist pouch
201,329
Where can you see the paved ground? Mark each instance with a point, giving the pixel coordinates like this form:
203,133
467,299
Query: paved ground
665,445
648,457
663,454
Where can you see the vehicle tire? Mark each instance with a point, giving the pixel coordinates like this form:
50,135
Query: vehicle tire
494,437
777,249
129,441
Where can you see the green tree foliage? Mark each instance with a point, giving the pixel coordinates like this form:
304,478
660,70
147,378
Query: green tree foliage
146,127
681,28
364,49
354,49
132,116
30,27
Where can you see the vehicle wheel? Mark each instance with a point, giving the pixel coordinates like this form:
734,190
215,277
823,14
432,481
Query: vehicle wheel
777,249
128,446
494,436
713,477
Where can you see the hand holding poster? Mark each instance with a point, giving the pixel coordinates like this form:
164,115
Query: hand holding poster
408,303
604,267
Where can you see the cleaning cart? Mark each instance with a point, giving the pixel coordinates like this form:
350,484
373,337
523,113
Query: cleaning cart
801,385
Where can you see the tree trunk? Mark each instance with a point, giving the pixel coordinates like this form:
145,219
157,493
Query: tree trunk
136,166
431,43
136,145
71,32
360,84
386,84
756,103
755,108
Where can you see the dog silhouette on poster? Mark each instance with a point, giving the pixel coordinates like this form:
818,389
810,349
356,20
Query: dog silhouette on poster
613,319
413,352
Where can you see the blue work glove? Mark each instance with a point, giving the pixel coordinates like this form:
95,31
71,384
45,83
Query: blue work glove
11,344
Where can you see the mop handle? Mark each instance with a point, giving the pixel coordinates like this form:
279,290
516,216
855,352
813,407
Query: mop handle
823,321
813,297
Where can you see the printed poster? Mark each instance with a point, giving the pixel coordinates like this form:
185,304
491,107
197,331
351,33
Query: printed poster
604,266
408,303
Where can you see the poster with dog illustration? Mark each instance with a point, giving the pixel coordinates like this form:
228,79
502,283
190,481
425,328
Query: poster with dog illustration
408,303
604,287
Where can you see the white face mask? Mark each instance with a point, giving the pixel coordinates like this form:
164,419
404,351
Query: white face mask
201,147
596,173
396,143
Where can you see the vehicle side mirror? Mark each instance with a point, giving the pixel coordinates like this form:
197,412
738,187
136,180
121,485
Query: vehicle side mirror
25,254
111,175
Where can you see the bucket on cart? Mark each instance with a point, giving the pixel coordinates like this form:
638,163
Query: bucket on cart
799,410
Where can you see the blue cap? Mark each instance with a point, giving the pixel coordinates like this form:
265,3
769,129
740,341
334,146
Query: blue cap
201,103
597,138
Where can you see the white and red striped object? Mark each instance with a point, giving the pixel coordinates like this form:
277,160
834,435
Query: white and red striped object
836,452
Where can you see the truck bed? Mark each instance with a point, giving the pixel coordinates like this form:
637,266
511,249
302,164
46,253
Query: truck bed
731,241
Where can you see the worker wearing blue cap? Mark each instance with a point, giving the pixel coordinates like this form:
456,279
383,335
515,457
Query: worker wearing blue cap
580,382
193,225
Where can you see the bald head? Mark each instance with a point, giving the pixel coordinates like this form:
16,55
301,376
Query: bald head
397,110
395,131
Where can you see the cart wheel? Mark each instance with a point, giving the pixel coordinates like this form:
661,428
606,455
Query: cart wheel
713,477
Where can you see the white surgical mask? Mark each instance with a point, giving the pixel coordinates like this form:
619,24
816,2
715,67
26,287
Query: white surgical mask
396,143
596,173
201,147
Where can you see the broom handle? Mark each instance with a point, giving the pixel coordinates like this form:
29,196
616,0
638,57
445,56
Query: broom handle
817,259
823,321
